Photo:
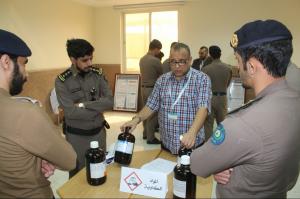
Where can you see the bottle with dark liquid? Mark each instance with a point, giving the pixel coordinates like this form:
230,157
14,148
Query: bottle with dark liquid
184,181
95,164
124,147
183,151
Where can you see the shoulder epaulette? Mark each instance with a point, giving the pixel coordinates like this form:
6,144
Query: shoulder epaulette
65,75
28,99
96,70
244,106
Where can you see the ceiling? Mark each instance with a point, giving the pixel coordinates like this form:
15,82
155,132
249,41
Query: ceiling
105,3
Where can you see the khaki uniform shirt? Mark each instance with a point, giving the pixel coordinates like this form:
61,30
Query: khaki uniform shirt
293,76
166,66
261,144
151,69
71,89
26,137
220,75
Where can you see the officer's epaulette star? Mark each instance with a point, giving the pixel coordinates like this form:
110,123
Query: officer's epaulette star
245,106
96,70
65,75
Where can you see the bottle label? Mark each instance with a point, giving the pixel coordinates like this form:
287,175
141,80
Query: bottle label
124,146
97,170
179,188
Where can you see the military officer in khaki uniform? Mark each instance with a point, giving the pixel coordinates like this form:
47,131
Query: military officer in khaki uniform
84,94
258,144
30,146
151,69
220,75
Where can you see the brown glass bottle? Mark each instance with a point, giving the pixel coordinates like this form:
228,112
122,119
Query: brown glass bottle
183,151
95,164
184,181
124,147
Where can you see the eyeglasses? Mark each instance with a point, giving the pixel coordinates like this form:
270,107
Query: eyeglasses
181,62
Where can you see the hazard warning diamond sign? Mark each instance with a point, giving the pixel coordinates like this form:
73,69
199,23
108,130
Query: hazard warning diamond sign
133,181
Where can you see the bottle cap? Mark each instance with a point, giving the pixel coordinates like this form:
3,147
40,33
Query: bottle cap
94,144
180,137
185,160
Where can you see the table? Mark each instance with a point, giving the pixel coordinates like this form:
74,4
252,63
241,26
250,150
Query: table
77,187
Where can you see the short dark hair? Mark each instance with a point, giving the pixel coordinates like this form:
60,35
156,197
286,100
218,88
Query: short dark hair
79,48
275,55
215,52
155,44
173,43
204,47
179,46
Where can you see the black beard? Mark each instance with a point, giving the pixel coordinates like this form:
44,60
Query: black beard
17,82
82,73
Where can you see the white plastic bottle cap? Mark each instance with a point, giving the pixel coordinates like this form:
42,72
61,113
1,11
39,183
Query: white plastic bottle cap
185,160
180,137
94,144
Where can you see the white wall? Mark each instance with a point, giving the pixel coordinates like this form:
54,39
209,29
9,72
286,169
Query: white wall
204,22
208,22
45,25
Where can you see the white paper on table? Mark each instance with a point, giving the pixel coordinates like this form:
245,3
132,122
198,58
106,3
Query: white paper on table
143,182
160,165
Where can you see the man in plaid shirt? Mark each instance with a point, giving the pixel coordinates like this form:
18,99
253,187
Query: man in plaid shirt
182,99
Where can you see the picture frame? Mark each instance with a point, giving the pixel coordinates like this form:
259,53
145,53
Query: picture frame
126,92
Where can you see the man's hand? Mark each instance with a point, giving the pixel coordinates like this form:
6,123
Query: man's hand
132,124
223,177
47,168
188,140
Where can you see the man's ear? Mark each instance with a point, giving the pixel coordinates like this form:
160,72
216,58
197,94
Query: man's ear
73,60
251,66
5,61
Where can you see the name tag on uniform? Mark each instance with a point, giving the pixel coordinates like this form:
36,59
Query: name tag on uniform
172,116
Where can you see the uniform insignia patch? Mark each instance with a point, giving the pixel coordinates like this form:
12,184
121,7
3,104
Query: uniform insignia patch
96,70
65,75
218,136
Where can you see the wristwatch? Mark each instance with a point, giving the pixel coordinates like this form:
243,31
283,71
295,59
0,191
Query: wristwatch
81,105
139,118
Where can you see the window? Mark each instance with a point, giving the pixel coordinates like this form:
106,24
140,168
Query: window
141,28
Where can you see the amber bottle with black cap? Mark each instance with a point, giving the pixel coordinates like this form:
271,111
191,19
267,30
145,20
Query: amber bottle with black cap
182,151
124,147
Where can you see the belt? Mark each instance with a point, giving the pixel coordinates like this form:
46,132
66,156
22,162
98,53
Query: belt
147,86
219,93
85,132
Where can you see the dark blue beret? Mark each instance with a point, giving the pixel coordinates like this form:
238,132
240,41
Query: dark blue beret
13,45
258,32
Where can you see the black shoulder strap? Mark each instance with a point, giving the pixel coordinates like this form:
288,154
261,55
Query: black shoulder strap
65,75
251,102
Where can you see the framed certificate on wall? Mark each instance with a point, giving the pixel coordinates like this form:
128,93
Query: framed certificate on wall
126,92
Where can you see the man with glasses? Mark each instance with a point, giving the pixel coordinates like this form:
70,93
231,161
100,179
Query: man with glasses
182,100
203,60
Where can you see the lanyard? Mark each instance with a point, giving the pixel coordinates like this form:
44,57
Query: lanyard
181,92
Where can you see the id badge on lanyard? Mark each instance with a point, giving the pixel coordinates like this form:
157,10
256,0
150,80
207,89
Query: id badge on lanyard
172,115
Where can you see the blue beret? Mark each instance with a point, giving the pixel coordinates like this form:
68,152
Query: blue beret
13,45
258,32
